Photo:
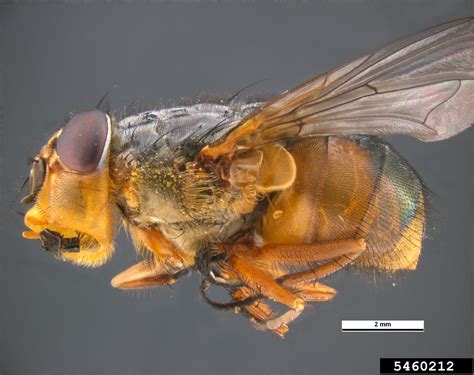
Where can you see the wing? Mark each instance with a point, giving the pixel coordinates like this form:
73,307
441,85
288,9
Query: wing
422,86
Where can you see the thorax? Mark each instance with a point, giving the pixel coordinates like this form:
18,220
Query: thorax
156,184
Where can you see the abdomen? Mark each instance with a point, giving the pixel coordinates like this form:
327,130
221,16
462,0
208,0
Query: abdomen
356,187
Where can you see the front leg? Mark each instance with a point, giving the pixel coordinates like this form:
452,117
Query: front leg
146,274
163,250
167,264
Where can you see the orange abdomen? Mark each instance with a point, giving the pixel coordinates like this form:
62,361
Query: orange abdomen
345,188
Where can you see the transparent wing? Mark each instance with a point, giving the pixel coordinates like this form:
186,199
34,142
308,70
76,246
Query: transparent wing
422,86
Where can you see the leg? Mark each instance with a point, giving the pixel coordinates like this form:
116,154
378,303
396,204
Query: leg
243,260
306,253
255,268
258,311
298,278
167,265
162,249
261,281
315,292
263,316
146,274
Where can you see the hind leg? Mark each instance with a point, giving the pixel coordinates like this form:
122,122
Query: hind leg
258,269
296,279
262,315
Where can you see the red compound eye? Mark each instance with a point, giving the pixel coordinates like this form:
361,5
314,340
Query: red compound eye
81,143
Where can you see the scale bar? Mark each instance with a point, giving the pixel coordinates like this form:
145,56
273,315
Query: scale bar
383,326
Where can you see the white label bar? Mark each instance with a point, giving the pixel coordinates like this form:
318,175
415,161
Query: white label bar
383,326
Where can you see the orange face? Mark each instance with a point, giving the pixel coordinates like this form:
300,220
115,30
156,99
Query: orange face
72,214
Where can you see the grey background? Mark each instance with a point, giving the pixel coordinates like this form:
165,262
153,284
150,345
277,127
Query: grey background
59,319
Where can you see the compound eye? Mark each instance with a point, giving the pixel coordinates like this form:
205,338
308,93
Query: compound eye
81,144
